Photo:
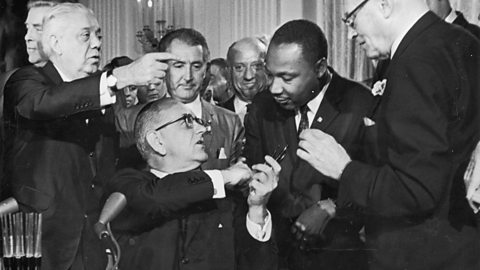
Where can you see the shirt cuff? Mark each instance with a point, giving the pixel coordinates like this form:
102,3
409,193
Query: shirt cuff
107,97
218,183
256,230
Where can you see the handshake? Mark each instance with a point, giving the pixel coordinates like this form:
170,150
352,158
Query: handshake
261,179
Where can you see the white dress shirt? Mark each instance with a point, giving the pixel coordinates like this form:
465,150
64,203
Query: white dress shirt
313,106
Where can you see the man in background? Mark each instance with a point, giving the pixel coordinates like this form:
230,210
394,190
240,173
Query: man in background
423,128
246,60
220,83
34,25
444,10
184,80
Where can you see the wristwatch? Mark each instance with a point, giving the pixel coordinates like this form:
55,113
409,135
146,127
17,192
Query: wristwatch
112,81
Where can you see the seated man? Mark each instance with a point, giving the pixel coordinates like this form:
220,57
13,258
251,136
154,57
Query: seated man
176,214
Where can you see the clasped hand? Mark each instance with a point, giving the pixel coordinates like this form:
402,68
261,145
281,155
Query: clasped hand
262,179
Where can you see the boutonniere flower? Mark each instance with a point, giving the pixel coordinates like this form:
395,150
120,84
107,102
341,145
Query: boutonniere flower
379,87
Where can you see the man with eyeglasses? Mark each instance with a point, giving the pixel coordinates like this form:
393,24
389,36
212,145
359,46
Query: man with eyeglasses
177,216
423,128
245,59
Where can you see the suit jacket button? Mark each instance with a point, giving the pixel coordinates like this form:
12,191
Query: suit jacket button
184,260
91,154
131,241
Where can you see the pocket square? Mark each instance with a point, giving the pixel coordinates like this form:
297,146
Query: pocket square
368,122
221,154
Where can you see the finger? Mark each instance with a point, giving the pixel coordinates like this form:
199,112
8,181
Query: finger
164,56
300,226
273,163
242,159
307,146
303,154
160,66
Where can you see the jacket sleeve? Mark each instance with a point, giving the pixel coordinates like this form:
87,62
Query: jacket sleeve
155,197
424,141
34,97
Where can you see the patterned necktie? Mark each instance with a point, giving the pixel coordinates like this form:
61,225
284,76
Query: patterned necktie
303,119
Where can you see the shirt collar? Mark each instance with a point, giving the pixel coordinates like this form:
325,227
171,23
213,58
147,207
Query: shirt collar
62,75
451,16
158,173
314,103
408,25
195,106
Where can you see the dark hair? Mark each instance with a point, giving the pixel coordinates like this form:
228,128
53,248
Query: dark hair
188,36
307,35
118,62
222,64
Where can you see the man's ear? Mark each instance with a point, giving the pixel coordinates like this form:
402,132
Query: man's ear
321,67
54,43
155,142
386,7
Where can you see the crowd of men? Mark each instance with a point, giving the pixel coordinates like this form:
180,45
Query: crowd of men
267,159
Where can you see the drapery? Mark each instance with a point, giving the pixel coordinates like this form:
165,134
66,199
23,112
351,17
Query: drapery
224,21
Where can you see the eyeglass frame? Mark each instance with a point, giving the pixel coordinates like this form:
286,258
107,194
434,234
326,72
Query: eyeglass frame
349,17
184,117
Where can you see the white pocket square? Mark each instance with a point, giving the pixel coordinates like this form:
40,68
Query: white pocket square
368,122
221,153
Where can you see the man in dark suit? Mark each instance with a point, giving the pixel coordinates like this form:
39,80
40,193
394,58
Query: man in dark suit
305,89
176,215
425,127
184,79
54,118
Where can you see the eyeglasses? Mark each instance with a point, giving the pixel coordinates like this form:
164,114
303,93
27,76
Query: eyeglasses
349,17
189,120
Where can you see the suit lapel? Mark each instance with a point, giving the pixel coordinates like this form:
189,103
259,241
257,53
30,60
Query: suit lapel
208,115
325,116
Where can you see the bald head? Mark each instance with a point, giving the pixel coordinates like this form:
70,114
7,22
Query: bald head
245,59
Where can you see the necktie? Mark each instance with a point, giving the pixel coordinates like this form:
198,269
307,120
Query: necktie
303,119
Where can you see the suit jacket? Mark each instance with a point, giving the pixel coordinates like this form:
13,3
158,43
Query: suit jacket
426,128
173,223
224,144
52,161
269,126
229,105
470,27
382,66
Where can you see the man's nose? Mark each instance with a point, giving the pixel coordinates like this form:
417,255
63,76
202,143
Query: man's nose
248,74
188,74
28,35
95,42
351,33
275,87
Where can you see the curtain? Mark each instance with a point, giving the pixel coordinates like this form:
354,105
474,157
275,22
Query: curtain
224,21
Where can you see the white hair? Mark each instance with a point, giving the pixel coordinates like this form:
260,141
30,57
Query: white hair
52,26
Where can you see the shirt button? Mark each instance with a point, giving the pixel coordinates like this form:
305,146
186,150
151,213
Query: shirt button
93,186
92,154
85,216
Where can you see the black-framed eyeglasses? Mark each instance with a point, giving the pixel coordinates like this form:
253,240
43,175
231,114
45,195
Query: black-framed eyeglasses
189,120
349,17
